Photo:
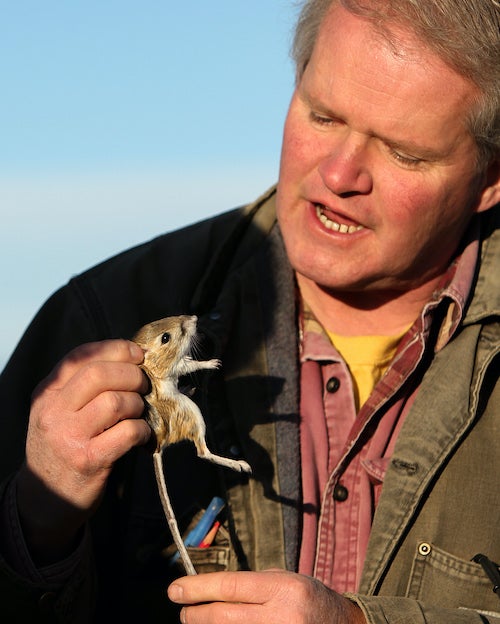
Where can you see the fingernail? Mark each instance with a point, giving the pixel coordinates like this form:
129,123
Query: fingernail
136,352
175,593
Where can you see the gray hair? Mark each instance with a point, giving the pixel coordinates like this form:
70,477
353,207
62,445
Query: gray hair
464,33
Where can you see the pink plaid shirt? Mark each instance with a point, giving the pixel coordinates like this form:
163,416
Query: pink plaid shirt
344,453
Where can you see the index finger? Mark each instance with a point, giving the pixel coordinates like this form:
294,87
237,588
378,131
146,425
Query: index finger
117,350
247,587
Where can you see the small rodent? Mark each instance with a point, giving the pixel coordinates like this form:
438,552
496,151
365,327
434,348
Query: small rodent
167,344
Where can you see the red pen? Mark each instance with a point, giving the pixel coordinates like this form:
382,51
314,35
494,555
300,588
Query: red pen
209,537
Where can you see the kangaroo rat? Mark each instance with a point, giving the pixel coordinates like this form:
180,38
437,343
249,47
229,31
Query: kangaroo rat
172,415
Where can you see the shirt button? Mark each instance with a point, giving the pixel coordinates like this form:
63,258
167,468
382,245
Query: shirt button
333,384
424,549
340,493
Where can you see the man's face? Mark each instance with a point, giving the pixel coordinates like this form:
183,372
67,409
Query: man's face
378,178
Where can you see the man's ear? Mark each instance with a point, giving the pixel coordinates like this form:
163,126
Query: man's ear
490,193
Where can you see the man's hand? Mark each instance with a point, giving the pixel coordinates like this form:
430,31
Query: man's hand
84,416
270,597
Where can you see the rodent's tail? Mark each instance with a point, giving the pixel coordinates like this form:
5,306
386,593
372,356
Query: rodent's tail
169,513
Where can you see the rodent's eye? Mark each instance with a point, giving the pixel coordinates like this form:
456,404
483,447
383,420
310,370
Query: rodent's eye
165,338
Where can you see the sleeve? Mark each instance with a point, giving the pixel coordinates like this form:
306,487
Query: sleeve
397,610
65,592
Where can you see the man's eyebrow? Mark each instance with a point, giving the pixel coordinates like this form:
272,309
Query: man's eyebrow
413,149
315,104
406,146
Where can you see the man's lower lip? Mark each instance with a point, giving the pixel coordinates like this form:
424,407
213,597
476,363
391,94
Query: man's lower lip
335,226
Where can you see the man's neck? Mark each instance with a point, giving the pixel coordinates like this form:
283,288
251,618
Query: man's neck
365,313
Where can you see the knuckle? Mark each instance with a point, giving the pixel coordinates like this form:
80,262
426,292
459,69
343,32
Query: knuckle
119,405
45,413
113,403
82,462
136,431
229,585
298,592
41,426
92,374
121,348
303,590
40,418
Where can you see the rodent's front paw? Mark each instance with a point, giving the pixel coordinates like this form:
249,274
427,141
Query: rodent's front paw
215,363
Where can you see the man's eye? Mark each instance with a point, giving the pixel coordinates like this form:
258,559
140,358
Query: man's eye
320,120
165,338
404,159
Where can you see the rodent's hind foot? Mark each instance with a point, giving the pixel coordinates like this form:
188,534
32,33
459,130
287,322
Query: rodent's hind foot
244,466
238,465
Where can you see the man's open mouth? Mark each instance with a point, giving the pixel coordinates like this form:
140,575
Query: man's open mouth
343,228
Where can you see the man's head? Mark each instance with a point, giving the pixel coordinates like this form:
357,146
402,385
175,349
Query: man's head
379,173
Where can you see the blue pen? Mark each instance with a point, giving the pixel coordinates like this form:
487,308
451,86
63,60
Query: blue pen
196,535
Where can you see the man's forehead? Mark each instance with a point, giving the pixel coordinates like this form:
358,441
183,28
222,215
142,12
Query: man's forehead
390,32
361,76
342,30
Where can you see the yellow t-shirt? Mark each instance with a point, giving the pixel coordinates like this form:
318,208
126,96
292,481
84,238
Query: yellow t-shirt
367,357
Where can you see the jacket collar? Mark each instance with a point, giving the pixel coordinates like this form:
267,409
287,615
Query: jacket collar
486,298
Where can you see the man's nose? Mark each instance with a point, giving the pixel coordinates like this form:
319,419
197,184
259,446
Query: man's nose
345,170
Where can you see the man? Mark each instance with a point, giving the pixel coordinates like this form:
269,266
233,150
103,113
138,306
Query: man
359,339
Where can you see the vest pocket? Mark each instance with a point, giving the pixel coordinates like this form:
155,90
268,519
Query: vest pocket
214,558
211,559
438,577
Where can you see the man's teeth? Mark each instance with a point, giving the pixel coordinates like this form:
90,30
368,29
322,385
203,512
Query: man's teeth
334,225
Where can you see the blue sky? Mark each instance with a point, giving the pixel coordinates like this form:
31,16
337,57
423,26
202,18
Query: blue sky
120,120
